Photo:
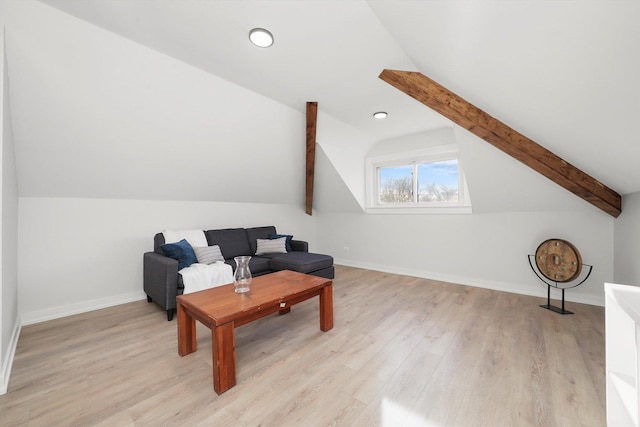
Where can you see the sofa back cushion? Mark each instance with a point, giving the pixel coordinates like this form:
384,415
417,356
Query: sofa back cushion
232,241
255,233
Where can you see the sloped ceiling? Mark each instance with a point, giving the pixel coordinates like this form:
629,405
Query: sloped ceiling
171,95
565,74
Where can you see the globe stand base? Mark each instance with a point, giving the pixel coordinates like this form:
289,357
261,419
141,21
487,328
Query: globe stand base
556,309
557,285
553,308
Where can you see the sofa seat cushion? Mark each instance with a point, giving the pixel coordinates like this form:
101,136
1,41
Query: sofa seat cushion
302,262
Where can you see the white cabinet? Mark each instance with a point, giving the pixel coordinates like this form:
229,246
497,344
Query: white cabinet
622,326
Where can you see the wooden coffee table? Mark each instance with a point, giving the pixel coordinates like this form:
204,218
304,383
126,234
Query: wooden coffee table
222,310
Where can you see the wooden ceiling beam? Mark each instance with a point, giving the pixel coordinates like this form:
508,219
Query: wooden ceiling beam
532,154
312,120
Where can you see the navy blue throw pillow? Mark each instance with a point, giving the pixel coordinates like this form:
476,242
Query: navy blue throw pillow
181,251
287,243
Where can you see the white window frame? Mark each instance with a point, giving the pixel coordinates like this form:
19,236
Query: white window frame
430,155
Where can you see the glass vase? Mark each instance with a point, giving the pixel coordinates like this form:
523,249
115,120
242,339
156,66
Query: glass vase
242,276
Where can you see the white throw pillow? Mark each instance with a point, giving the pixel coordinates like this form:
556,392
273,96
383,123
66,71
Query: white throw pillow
271,246
208,254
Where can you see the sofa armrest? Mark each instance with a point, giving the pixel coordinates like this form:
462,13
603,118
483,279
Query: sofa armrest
161,279
299,246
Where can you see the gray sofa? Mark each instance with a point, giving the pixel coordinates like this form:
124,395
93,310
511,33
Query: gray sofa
162,282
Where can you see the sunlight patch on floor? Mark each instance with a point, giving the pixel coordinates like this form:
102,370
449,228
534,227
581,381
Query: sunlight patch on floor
394,414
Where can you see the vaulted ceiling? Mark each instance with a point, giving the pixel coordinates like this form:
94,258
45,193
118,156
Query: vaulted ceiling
564,74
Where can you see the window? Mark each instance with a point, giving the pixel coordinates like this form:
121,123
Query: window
435,182
431,179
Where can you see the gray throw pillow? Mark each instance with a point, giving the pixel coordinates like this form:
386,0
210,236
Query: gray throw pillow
271,246
208,254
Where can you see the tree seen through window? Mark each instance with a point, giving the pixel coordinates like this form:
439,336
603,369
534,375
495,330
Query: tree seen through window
419,183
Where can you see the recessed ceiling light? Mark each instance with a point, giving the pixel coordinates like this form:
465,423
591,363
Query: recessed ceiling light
261,37
380,114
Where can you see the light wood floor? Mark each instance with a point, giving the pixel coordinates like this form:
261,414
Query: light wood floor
403,351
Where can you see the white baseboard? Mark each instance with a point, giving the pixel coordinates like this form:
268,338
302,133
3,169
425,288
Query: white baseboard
5,369
521,289
81,307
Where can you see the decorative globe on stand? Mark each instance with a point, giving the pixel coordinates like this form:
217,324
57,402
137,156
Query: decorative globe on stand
558,260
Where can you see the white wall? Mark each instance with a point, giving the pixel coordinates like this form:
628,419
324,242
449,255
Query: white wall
77,255
487,250
627,242
9,323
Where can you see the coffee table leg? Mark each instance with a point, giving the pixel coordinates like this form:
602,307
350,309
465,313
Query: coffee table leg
186,332
326,308
223,351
